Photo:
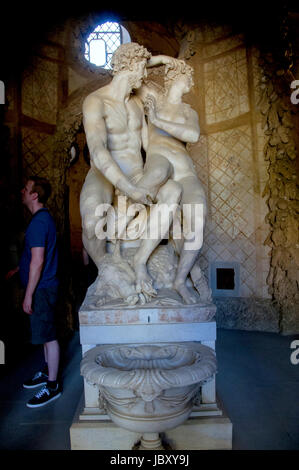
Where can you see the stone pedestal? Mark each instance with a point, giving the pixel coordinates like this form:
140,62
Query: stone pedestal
207,427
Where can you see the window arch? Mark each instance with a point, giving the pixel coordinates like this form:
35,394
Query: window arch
103,41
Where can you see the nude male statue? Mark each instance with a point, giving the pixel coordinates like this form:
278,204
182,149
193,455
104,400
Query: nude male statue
116,130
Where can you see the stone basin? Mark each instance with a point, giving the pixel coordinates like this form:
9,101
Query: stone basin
148,388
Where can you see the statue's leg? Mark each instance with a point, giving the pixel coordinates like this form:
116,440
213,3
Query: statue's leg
193,194
159,221
157,170
187,259
95,191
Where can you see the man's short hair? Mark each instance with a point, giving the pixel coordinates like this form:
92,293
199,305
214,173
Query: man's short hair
127,55
42,187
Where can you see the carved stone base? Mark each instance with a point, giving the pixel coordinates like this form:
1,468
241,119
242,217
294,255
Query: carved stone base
149,441
212,432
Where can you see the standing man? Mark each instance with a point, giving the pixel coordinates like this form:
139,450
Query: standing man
38,273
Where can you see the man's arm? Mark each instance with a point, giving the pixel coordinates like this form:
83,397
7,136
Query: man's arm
11,273
35,270
96,136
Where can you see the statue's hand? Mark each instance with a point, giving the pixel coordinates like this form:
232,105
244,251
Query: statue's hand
150,107
141,195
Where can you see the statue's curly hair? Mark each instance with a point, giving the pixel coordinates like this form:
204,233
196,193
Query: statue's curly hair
127,55
176,67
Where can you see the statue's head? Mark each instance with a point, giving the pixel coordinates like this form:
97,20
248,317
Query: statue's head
129,57
176,70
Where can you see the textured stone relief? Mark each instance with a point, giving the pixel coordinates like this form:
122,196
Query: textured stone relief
190,42
58,34
211,32
281,192
226,87
37,152
37,149
75,81
39,91
258,75
222,45
197,40
233,227
234,176
231,178
199,155
49,50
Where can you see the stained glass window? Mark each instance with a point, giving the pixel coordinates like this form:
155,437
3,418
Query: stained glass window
103,41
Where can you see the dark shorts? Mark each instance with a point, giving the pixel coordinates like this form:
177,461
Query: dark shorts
42,319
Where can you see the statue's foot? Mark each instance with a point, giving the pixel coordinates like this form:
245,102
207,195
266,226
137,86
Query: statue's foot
101,301
132,299
144,283
188,296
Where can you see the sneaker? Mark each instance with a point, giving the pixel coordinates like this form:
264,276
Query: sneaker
37,381
44,396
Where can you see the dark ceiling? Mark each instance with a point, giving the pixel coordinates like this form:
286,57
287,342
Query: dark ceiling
27,23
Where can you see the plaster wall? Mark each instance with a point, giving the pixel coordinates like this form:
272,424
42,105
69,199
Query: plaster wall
229,156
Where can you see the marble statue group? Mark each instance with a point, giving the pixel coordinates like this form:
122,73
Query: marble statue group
147,323
141,182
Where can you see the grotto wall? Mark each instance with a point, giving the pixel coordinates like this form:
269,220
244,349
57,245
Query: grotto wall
245,158
257,96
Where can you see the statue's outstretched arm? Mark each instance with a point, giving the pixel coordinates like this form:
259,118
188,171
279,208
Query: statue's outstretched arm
160,60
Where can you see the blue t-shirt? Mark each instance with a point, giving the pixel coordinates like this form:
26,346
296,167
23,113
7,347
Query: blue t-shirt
41,232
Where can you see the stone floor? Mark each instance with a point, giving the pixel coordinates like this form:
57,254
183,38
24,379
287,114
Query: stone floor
256,382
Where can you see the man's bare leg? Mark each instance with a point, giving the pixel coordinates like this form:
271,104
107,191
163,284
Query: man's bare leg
52,354
46,356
